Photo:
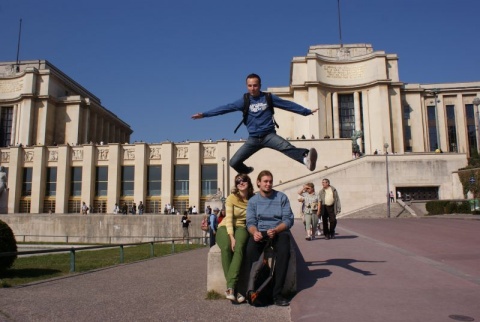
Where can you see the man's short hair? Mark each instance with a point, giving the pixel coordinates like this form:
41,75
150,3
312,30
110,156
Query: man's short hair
253,75
263,174
328,181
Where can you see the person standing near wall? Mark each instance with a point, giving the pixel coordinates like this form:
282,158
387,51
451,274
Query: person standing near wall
330,203
311,208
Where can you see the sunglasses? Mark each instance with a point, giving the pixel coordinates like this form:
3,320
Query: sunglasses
240,180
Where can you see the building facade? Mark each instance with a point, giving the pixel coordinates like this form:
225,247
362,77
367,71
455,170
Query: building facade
54,165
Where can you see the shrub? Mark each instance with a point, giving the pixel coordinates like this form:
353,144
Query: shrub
7,244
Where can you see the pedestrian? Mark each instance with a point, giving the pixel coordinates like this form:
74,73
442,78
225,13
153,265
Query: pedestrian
232,235
330,203
399,195
141,207
84,208
311,208
124,208
392,196
213,225
185,223
261,126
269,216
133,210
194,210
115,209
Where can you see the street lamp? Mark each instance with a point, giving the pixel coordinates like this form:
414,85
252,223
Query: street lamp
472,189
476,102
435,92
223,182
388,181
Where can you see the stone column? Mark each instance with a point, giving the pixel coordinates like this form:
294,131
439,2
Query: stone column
114,175
140,185
358,120
336,119
38,179
63,179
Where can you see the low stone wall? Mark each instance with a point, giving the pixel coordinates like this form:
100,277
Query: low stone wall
99,228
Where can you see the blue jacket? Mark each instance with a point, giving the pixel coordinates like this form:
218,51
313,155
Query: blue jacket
260,117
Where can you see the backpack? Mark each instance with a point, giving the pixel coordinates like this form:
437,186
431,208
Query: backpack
246,106
204,224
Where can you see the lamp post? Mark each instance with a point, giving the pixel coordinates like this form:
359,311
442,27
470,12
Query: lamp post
435,92
476,102
388,181
472,189
223,182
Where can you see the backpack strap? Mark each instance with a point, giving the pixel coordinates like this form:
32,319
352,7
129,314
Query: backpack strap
246,106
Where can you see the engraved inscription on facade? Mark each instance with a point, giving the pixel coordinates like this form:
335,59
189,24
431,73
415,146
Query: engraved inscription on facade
182,152
77,155
5,156
11,86
209,152
155,153
29,156
52,156
345,72
129,154
102,154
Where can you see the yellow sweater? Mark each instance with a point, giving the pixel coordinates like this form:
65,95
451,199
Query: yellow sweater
235,214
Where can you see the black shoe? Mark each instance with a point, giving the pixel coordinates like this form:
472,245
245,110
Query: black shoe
281,301
250,170
327,237
332,236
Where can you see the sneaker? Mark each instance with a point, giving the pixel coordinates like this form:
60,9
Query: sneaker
250,170
229,294
240,298
311,159
308,238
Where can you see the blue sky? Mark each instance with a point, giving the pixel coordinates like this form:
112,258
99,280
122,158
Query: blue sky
155,63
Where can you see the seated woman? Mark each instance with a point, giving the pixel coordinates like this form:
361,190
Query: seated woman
232,234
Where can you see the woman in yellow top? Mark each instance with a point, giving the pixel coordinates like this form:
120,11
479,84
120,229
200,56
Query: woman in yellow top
232,234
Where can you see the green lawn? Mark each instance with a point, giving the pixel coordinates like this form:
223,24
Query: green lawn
36,268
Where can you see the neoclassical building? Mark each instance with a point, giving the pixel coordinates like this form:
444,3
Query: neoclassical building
60,147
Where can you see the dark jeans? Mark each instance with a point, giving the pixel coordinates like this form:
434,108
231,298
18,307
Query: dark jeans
281,245
212,237
272,141
329,217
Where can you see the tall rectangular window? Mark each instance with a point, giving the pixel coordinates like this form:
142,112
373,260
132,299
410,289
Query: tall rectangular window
347,115
181,182
6,121
154,180
432,128
101,181
51,182
76,183
128,180
209,179
27,182
452,128
471,129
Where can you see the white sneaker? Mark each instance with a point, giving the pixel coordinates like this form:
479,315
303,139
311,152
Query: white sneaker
311,159
229,294
240,298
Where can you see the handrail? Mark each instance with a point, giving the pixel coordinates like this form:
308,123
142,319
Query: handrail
72,250
108,238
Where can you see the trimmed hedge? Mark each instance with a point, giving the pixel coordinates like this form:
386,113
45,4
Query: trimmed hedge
7,244
441,207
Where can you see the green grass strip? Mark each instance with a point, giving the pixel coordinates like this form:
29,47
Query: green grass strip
36,268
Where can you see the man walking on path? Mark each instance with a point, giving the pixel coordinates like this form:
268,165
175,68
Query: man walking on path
330,203
261,126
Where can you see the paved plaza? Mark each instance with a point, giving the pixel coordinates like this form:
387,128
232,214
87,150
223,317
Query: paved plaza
404,269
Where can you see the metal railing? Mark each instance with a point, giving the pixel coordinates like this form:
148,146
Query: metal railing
95,239
73,250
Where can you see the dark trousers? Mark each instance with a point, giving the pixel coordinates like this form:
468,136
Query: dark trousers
329,217
212,237
281,245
